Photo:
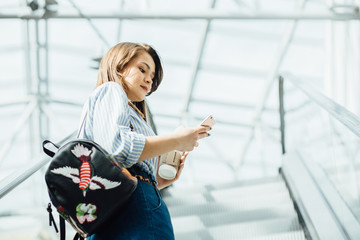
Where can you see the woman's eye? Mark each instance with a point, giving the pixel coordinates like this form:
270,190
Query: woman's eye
142,70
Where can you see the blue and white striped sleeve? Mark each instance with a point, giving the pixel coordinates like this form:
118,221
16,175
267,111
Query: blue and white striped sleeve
111,124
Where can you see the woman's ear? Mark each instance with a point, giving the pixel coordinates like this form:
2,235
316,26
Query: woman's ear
119,69
122,72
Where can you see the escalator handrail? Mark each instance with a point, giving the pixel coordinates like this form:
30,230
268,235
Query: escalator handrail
344,116
12,181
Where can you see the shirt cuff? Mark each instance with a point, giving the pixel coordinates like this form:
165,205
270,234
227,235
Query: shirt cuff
136,148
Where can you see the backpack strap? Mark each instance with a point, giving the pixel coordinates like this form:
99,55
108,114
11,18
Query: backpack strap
62,225
52,153
78,237
62,228
82,125
51,217
47,150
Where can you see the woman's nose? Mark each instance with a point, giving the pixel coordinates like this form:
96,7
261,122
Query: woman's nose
148,80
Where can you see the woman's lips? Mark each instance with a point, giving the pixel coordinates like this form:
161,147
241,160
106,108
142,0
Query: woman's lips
145,88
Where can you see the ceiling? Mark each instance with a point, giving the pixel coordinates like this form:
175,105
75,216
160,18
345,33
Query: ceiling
219,57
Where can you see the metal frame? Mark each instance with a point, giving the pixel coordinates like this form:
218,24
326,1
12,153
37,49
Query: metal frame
211,14
43,16
285,43
196,64
36,88
282,114
195,15
15,179
38,112
30,109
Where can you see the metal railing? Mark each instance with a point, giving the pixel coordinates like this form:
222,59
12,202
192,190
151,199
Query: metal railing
15,179
12,181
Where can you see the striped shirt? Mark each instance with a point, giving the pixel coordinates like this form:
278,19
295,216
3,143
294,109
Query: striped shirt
108,121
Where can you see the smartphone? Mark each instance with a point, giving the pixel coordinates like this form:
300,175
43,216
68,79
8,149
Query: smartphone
208,121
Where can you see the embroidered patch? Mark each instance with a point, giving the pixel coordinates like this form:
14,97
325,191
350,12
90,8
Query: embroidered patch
86,212
62,212
83,154
84,177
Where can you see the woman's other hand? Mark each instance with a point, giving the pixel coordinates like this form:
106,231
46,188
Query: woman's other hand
163,182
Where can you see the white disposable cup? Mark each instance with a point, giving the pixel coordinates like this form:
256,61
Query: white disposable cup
169,164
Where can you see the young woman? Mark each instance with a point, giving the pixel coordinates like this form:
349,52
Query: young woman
116,119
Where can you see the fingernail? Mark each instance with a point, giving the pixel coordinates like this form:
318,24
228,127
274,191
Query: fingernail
208,134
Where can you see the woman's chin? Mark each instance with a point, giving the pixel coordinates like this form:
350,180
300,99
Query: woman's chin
138,99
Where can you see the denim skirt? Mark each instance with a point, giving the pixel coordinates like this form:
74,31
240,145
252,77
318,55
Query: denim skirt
145,217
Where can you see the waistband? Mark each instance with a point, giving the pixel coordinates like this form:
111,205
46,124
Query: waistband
141,175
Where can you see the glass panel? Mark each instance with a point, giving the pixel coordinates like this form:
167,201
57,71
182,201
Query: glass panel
320,137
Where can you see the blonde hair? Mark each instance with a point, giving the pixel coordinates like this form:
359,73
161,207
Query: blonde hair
116,59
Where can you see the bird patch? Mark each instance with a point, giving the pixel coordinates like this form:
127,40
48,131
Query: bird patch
84,176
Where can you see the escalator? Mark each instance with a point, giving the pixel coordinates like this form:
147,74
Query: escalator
256,209
305,200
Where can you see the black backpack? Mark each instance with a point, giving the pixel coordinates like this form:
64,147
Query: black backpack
86,185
